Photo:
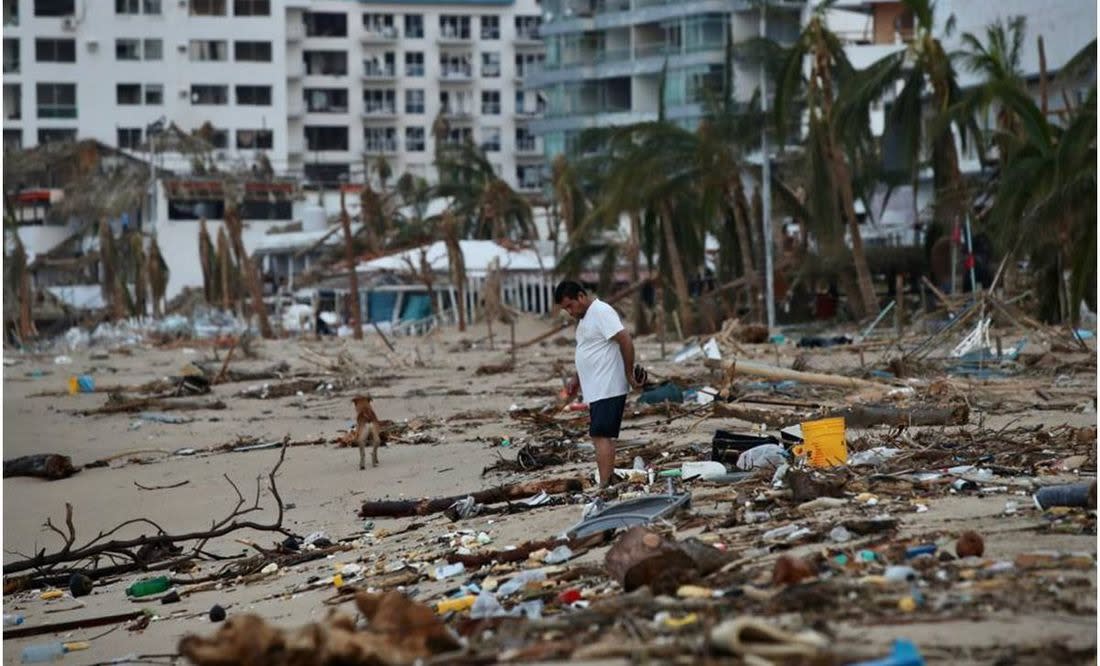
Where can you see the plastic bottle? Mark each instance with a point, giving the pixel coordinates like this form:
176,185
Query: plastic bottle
13,619
149,586
459,604
45,652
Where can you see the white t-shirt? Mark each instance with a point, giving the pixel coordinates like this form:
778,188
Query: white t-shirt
599,360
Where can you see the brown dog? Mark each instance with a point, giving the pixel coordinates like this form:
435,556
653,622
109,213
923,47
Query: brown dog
364,415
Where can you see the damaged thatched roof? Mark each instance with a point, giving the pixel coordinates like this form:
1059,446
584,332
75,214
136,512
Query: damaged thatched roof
99,181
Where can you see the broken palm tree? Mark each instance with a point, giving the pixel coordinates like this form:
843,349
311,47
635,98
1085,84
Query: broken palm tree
450,230
353,274
248,269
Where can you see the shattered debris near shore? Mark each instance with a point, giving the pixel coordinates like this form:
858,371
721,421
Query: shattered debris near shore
952,518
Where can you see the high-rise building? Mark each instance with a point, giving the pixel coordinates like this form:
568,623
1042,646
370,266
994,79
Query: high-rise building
324,88
605,58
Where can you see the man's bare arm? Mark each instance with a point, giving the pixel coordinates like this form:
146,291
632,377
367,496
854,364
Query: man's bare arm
626,348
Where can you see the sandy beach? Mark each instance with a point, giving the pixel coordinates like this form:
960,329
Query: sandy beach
453,422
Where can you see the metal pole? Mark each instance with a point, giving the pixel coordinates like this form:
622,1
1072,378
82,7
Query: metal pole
766,185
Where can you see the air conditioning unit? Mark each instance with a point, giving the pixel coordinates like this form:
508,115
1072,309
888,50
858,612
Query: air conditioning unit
182,47
68,24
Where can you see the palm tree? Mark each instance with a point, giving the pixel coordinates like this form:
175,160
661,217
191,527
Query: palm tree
228,278
206,259
830,189
998,61
450,230
157,269
1045,197
353,274
929,87
248,268
485,203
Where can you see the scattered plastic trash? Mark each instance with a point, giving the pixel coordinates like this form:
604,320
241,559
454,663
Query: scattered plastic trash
81,384
711,350
46,652
560,554
840,534
872,457
918,551
449,570
666,392
521,580
687,353
897,573
1069,495
149,586
766,456
162,417
217,613
62,360
705,469
13,619
903,653
823,443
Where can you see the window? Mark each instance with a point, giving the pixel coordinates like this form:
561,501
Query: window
207,50
526,63
251,7
54,7
56,100
414,63
379,101
490,139
459,135
525,140
379,25
127,49
490,65
257,139
326,24
414,139
380,139
490,102
196,209
323,137
528,177
13,101
151,7
55,50
252,51
414,101
455,66
154,49
326,100
127,7
326,63
414,26
154,94
266,209
380,66
11,56
129,137
128,93
455,103
208,8
56,135
490,27
327,173
13,139
209,94
527,27
254,95
454,27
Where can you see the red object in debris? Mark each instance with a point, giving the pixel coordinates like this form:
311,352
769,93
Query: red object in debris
578,407
969,263
569,596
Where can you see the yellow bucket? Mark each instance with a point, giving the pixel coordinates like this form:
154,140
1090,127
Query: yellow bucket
823,443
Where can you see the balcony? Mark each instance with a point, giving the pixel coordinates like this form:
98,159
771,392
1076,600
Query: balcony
387,111
529,185
453,37
380,147
528,147
456,75
455,112
295,70
528,37
377,72
380,35
56,111
530,112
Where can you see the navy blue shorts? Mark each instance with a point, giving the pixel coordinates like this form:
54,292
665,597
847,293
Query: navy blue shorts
606,416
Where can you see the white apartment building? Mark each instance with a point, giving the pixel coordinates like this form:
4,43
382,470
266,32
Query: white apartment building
322,88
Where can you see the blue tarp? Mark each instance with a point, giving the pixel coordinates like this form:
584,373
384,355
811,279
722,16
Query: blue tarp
380,305
416,306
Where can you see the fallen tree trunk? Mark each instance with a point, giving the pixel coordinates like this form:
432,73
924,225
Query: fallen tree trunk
71,625
428,506
50,466
232,375
769,417
774,372
118,403
281,390
865,416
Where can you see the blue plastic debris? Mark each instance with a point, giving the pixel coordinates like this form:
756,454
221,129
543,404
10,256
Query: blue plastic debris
904,653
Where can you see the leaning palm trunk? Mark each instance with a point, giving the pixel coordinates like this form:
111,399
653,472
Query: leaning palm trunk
137,250
353,275
249,271
108,258
206,257
679,280
227,277
739,207
157,270
21,280
634,248
458,265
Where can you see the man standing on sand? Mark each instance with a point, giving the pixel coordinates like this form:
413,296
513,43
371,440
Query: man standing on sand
605,364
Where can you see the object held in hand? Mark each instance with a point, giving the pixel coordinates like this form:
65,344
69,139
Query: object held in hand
640,374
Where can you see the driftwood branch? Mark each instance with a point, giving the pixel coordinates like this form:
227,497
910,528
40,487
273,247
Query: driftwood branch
172,485
98,547
428,506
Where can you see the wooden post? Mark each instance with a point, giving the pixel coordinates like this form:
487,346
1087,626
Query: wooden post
899,304
512,333
662,325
